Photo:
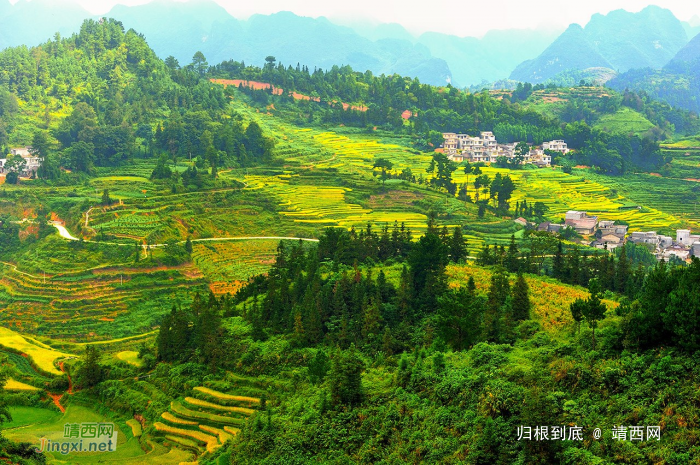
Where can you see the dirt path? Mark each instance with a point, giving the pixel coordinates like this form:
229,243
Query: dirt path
57,401
70,381
14,268
56,398
63,231
67,235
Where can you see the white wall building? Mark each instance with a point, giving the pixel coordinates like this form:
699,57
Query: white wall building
32,162
556,145
683,237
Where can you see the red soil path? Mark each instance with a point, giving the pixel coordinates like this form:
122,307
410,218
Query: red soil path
56,398
70,381
57,401
278,91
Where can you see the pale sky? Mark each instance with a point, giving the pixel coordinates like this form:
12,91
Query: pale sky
461,18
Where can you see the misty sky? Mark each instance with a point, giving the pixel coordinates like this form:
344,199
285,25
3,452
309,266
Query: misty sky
458,17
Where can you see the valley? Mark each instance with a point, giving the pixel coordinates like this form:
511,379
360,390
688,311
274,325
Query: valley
255,275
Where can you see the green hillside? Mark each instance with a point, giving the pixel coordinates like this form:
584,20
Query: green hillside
624,121
289,272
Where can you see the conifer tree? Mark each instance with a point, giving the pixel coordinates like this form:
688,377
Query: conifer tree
164,343
499,291
577,308
594,310
511,260
458,247
520,299
345,377
90,372
623,272
558,264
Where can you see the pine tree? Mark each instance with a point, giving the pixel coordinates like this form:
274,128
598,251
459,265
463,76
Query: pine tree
577,308
623,272
558,266
372,320
511,260
594,310
90,372
345,377
299,333
499,291
164,343
387,341
458,247
459,317
405,295
471,286
520,299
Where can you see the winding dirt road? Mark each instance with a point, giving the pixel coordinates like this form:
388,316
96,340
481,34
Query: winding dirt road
64,233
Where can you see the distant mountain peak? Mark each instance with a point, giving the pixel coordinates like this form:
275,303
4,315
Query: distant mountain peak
619,40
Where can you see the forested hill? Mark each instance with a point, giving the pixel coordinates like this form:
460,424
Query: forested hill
381,101
101,96
678,83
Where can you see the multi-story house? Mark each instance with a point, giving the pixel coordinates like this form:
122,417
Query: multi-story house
556,145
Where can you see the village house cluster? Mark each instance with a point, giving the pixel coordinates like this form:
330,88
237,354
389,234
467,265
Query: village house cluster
609,235
685,246
32,162
485,148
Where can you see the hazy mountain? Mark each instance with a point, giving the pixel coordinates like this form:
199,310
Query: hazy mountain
492,57
571,50
185,28
678,83
689,53
378,31
619,40
31,23
691,28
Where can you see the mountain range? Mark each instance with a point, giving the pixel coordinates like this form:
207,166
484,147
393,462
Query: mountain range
677,83
648,50
184,28
620,40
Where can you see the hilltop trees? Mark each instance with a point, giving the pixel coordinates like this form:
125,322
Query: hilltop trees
345,377
194,334
591,310
199,63
442,168
90,372
125,91
502,188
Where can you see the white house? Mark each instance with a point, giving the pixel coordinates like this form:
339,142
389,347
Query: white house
32,162
556,145
684,237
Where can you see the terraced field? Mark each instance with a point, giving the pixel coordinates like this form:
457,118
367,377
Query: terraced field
207,420
354,156
659,194
562,192
228,265
96,304
325,206
550,298
34,423
42,355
